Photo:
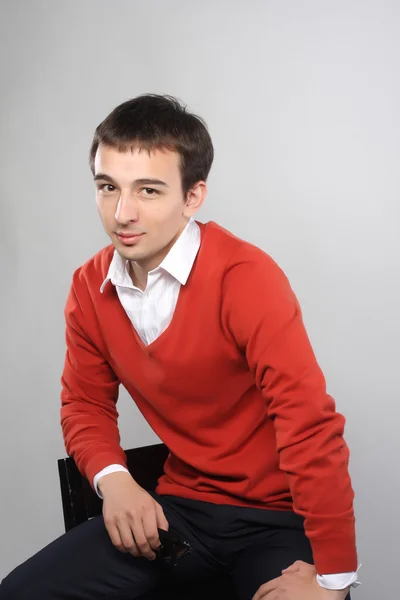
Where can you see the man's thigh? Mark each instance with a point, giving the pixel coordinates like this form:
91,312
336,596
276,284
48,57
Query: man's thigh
81,564
266,559
84,565
200,563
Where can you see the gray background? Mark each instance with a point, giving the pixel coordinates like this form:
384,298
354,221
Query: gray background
302,99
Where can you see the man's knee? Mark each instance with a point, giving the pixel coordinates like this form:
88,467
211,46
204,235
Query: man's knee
13,587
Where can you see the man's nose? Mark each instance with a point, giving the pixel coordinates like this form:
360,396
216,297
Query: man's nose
127,209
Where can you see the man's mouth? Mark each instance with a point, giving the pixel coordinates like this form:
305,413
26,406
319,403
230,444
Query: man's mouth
128,239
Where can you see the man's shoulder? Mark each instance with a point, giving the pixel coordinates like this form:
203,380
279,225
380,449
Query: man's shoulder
234,250
94,271
249,274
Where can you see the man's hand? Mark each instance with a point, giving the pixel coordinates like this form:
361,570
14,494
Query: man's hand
131,516
297,582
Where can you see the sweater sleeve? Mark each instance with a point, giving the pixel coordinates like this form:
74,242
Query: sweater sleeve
88,398
262,313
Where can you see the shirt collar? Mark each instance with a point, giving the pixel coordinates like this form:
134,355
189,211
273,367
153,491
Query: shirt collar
178,262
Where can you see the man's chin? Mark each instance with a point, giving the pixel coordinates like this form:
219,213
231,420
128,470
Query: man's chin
127,252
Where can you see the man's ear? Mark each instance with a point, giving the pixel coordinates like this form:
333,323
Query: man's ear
195,198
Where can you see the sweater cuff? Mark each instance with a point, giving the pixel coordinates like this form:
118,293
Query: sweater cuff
335,555
101,460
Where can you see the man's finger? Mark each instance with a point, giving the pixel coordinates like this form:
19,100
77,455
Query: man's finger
115,537
128,541
274,595
141,541
151,530
162,522
267,588
294,568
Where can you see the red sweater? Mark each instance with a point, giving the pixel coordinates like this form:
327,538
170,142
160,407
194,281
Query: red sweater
232,387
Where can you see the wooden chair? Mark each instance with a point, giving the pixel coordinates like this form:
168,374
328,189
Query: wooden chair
80,503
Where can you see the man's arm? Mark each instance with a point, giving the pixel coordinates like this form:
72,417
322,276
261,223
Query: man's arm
90,426
89,394
261,312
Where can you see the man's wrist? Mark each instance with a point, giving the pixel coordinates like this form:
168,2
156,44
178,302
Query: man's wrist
115,468
106,481
335,594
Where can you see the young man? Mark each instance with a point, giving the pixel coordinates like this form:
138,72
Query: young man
206,335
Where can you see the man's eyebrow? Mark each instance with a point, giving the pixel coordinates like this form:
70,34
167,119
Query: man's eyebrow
142,181
150,182
104,177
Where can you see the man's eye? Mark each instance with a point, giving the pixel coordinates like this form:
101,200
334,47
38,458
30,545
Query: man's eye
107,188
149,191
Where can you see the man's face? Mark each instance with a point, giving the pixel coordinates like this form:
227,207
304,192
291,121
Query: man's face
140,201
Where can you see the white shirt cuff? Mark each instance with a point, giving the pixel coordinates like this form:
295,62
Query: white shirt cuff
106,471
338,581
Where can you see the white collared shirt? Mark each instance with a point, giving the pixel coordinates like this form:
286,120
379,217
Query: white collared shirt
151,311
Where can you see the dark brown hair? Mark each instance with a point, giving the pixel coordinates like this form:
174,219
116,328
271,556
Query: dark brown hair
153,122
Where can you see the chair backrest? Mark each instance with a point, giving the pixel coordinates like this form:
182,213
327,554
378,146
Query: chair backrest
80,502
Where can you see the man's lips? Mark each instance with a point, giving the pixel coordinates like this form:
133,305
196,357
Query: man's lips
128,238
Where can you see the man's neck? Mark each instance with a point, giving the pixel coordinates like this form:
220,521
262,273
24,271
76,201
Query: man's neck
138,275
